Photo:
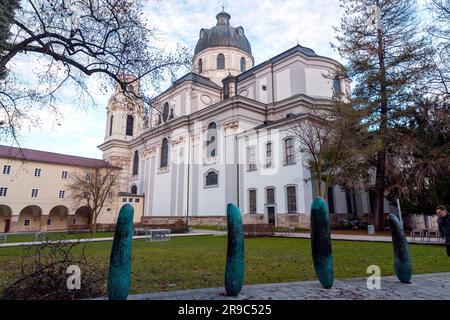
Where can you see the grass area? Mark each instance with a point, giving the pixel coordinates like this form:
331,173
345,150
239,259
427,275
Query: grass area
199,262
30,237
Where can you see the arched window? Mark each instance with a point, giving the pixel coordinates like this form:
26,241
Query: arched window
130,125
166,111
164,153
111,125
220,61
136,163
200,66
243,64
211,179
134,189
337,88
211,143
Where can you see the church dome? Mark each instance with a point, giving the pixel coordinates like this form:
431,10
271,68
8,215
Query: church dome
223,35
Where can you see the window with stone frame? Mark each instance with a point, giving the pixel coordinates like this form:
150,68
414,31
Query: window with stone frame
164,153
251,158
252,201
220,61
136,163
212,179
270,196
211,143
289,153
130,125
291,196
268,154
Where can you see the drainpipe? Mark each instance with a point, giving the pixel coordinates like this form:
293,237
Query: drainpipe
236,155
188,173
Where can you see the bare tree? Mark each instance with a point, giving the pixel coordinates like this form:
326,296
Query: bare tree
92,188
71,40
327,139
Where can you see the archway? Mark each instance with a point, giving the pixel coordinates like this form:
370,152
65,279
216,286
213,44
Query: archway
82,217
57,218
30,219
5,218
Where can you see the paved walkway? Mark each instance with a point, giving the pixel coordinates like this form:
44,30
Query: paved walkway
351,237
423,287
85,240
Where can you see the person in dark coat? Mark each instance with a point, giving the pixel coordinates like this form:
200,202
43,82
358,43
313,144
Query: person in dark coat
444,225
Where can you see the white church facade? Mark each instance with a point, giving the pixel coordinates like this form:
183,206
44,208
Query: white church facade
221,135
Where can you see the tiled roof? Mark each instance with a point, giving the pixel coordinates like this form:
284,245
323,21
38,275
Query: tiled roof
50,157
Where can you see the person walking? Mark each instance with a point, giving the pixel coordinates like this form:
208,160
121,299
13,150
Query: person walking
444,225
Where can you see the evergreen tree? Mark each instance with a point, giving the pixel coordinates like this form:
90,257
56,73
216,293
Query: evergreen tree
389,60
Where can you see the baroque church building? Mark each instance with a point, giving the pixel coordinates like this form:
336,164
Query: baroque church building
221,135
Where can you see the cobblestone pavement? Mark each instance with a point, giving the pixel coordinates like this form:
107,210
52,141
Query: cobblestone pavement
423,287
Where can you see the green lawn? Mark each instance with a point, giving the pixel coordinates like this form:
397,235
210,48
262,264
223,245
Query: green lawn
30,237
198,262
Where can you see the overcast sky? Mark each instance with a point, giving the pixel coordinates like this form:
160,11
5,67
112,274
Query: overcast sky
272,26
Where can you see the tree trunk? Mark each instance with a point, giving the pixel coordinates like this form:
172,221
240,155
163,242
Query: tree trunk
380,179
379,190
94,223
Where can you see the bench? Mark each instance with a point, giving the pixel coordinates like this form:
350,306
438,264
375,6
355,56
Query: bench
40,236
153,235
3,236
426,235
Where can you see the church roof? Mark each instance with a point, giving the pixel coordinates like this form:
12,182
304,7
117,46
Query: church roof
196,78
223,35
297,49
23,154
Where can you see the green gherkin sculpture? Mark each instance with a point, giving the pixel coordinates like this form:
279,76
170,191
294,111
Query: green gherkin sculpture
234,270
321,243
119,277
402,259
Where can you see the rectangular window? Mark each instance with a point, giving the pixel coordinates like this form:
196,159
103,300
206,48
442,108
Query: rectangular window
37,172
6,169
49,222
64,175
110,195
291,195
62,194
136,200
270,193
3,191
251,159
130,200
34,193
124,199
264,88
252,201
289,151
26,223
88,177
269,155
